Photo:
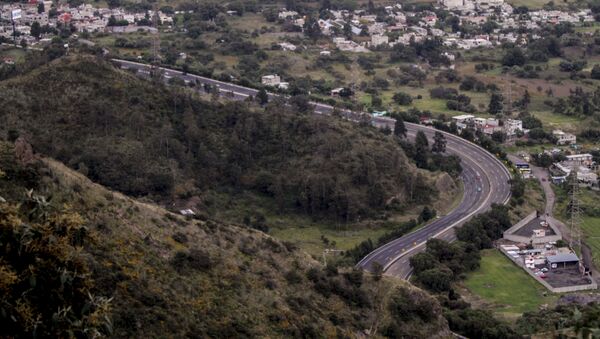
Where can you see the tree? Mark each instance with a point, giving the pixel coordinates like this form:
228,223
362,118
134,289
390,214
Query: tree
426,214
41,9
437,279
399,128
301,103
262,96
439,143
371,7
421,143
36,30
514,57
595,74
525,100
376,102
377,271
113,3
422,261
23,43
312,28
499,136
495,106
112,21
531,122
346,92
517,186
347,30
402,98
421,150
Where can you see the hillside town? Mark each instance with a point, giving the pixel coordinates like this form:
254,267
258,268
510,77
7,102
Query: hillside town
39,21
499,20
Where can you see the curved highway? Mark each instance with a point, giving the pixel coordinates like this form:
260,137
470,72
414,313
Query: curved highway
485,178
486,182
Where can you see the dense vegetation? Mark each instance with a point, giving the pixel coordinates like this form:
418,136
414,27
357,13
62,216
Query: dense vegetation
110,265
142,138
443,264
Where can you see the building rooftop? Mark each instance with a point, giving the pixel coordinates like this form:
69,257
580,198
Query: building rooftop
562,257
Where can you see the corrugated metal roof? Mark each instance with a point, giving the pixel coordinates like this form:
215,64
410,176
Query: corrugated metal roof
562,257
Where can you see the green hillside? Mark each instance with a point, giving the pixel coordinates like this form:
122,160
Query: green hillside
81,260
145,139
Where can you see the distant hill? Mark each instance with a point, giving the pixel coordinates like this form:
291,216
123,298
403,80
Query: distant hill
79,259
145,139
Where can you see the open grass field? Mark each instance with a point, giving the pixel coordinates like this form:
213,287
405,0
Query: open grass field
17,54
590,226
505,288
565,122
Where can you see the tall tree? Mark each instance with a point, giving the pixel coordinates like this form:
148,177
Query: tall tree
495,106
399,128
312,28
421,150
291,5
439,143
371,7
525,100
36,30
41,9
262,96
421,143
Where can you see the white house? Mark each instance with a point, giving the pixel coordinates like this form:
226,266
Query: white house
511,126
563,138
286,46
379,39
463,121
271,80
584,159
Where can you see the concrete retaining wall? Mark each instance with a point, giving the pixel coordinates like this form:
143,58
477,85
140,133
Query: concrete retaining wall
526,240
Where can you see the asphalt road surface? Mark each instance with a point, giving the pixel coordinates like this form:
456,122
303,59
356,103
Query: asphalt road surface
485,178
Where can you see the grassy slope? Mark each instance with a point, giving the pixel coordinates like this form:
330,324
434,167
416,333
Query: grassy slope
505,288
590,224
533,200
247,291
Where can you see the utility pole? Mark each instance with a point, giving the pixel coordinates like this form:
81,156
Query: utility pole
15,14
156,40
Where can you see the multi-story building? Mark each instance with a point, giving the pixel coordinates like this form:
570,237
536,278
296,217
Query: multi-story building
563,138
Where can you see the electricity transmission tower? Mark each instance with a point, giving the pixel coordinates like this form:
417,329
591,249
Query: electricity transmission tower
575,209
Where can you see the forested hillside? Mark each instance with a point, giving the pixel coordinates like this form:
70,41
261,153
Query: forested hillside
145,139
80,260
